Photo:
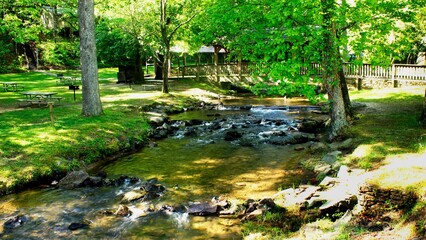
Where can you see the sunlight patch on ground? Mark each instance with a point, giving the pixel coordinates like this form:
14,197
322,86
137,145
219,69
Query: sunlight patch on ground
403,171
127,96
385,92
364,150
201,94
406,231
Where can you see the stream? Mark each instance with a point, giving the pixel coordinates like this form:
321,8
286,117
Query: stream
238,150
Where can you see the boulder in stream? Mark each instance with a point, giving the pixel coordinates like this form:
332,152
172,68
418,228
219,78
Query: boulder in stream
123,211
133,196
75,226
73,179
14,222
232,135
202,209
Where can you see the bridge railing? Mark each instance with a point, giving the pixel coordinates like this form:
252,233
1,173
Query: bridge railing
407,72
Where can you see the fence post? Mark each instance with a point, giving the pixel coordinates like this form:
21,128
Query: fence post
51,113
239,68
184,65
395,82
197,73
359,78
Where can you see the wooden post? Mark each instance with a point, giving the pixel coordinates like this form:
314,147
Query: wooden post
395,82
178,68
359,78
51,113
239,67
197,74
216,62
184,65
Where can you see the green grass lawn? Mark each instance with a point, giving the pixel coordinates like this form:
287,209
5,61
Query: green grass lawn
31,147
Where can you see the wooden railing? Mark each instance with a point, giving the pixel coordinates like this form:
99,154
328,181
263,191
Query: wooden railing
406,72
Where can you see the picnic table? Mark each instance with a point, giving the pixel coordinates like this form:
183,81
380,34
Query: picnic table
11,86
39,98
67,80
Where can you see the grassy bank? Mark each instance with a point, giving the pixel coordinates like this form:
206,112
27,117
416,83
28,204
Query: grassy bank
32,147
391,147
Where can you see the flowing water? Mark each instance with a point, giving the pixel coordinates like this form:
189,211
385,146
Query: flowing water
192,167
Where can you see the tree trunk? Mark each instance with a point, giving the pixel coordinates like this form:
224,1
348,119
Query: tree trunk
31,56
166,40
423,115
331,67
89,66
158,66
345,94
139,76
166,71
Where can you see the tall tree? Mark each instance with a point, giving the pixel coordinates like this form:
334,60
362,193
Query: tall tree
89,65
174,15
285,37
332,68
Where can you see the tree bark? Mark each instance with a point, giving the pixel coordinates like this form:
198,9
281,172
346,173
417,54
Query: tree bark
166,71
158,66
139,75
92,105
423,115
331,67
166,40
345,94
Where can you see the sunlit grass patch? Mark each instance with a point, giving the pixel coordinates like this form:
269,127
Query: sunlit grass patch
406,172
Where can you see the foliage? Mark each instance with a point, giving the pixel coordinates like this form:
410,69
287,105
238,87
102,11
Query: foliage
8,61
284,37
114,46
60,54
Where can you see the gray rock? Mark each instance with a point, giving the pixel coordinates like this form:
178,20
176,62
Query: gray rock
254,214
73,179
322,168
343,172
311,126
332,157
14,222
345,145
123,211
317,147
232,135
329,182
132,196
202,209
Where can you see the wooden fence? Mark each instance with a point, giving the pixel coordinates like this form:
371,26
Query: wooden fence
401,72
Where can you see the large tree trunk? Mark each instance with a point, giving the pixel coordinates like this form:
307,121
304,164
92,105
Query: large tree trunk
345,94
158,66
166,40
166,71
31,55
89,66
139,75
423,115
331,67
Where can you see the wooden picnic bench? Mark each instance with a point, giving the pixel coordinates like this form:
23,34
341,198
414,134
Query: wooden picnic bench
12,86
67,80
37,98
